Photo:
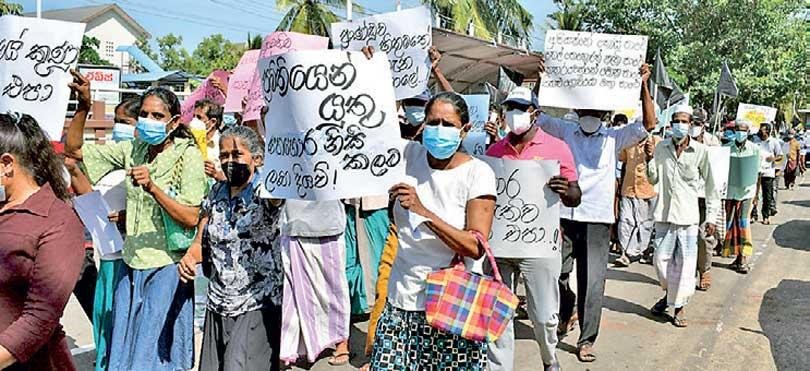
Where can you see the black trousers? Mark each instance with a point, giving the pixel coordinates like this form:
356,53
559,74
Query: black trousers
768,197
85,289
587,244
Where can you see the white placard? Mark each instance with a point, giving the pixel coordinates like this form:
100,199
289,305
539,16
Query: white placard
755,115
475,143
527,213
592,70
405,36
93,211
720,157
332,128
35,60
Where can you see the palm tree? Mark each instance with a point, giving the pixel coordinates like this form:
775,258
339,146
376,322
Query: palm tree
570,16
488,17
312,17
10,8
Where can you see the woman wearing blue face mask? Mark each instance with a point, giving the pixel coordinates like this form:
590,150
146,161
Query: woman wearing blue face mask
166,185
446,195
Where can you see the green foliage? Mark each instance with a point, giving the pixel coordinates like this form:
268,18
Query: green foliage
764,42
172,54
570,16
216,53
88,54
312,17
254,42
9,8
488,17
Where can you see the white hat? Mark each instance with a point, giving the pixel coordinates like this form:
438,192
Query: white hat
683,108
521,95
571,116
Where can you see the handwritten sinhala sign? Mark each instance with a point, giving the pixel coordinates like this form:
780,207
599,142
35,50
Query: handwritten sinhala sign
527,212
405,36
475,143
240,80
584,68
334,131
755,115
204,91
274,44
36,56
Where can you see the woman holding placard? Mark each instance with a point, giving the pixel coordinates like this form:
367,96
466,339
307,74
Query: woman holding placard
447,197
152,307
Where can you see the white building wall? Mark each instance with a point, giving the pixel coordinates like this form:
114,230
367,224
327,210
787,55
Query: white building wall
112,32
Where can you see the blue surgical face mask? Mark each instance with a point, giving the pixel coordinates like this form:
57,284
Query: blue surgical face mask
414,114
741,136
667,133
441,141
122,132
680,130
151,131
728,135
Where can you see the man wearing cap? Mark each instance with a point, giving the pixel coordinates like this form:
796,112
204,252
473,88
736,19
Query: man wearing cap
771,151
528,142
676,166
742,190
586,229
697,131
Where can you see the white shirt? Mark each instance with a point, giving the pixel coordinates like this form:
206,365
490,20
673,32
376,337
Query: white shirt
445,193
768,148
596,157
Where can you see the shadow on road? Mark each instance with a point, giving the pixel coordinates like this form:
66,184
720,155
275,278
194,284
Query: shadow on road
793,235
782,316
624,306
802,203
627,276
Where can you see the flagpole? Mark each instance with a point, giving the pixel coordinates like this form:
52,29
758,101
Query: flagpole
719,112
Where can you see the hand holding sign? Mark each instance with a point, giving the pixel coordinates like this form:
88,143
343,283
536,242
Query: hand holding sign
408,199
81,86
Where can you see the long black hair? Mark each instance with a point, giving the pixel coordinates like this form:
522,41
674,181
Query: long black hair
173,105
455,100
21,136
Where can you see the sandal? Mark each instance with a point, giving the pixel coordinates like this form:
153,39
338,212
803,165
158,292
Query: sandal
333,360
705,281
660,308
565,327
743,269
585,353
679,321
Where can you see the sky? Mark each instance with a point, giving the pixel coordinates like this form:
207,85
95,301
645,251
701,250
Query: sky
196,19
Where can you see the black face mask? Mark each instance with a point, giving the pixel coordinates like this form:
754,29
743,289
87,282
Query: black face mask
237,173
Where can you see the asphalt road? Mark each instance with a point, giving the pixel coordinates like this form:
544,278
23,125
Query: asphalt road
759,321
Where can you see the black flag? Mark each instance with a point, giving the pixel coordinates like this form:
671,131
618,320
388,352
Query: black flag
727,86
665,91
507,80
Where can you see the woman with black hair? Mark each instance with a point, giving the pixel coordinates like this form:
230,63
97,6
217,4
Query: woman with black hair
41,248
153,310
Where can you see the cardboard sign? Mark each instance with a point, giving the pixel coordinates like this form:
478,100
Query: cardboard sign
405,36
204,91
475,143
36,56
591,70
755,115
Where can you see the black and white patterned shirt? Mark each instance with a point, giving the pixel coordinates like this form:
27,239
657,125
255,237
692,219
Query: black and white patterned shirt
241,252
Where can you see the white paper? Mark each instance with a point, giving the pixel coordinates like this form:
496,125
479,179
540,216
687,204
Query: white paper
475,143
527,212
405,36
332,130
592,70
35,60
93,211
755,115
720,157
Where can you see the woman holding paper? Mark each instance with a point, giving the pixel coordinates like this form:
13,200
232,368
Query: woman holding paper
165,188
41,248
447,195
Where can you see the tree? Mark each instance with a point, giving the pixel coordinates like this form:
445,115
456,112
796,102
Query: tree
89,52
214,52
172,54
488,17
570,16
764,42
10,8
254,42
312,17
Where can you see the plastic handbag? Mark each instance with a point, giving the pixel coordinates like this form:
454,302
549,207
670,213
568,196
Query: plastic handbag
178,238
470,305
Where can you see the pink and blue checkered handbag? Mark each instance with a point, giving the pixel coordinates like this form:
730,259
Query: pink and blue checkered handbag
470,305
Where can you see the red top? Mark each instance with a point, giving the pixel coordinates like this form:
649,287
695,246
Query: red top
541,147
41,254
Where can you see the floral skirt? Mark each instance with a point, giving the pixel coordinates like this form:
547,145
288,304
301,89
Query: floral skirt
405,341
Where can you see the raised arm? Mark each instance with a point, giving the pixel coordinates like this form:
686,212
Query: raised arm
435,57
647,106
75,135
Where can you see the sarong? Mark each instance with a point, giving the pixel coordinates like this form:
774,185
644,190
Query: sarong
675,261
738,229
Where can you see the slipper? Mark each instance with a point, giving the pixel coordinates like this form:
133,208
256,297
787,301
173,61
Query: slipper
705,281
585,353
743,269
679,321
333,359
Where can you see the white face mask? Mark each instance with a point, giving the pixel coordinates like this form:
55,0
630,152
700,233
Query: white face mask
518,121
590,124
695,131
